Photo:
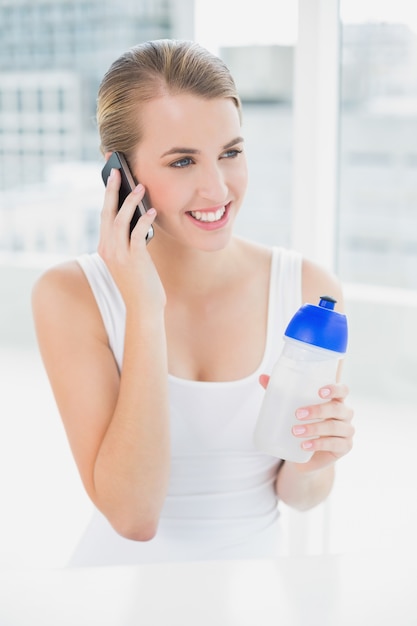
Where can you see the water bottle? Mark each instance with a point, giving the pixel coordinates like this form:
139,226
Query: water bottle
314,342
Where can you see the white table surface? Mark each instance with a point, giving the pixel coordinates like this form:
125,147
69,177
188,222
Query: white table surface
292,591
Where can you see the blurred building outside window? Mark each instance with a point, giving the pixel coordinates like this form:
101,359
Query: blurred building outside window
377,235
54,53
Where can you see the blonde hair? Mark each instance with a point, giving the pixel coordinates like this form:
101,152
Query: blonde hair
149,70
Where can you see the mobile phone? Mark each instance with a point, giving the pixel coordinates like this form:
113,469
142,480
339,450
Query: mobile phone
118,161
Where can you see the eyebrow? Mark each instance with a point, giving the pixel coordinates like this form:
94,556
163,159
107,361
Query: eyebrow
183,150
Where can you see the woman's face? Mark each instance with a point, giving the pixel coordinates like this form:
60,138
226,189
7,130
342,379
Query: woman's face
192,164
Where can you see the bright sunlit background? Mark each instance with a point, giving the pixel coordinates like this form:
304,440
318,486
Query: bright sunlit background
333,172
227,23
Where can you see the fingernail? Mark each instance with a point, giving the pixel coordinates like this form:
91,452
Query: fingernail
325,392
138,188
299,430
307,445
301,413
151,211
112,172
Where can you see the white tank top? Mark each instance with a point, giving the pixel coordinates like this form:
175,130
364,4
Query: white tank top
221,501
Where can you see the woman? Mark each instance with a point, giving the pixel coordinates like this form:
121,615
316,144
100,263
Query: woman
158,354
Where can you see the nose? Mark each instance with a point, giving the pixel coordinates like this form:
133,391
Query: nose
212,184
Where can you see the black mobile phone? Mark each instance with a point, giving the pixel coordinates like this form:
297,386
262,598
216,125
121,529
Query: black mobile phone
118,161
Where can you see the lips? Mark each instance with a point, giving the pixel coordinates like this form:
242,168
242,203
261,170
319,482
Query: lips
210,218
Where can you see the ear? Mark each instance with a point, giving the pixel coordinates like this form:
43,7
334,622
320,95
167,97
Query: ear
108,155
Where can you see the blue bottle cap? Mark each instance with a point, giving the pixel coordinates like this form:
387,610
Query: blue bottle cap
320,326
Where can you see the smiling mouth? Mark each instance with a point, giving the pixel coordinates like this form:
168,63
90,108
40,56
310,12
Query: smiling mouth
208,216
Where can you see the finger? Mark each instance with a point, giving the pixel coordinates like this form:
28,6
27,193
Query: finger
334,391
337,446
125,214
335,409
327,428
264,380
108,213
142,227
111,194
111,201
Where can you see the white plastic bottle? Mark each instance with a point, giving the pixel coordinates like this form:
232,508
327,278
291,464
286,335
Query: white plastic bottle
314,342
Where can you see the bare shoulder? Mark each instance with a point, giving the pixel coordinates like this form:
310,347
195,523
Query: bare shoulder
317,282
62,296
65,278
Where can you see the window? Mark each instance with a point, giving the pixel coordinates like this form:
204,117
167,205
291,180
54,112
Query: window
260,55
378,130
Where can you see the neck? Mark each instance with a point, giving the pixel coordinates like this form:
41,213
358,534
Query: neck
186,270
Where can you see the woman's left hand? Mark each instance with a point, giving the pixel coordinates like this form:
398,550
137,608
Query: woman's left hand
330,436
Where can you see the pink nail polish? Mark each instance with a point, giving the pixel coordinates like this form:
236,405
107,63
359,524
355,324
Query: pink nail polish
299,430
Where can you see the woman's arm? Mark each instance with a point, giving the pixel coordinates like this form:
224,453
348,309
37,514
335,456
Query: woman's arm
117,425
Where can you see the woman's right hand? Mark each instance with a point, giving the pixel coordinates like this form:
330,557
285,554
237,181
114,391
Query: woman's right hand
126,255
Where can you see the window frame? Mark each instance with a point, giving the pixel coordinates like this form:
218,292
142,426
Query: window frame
316,131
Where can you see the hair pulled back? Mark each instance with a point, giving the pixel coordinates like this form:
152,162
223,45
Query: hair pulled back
150,70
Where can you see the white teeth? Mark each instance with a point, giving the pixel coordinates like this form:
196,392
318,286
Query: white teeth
208,216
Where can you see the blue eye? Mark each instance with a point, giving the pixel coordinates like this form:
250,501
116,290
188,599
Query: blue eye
184,162
231,154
